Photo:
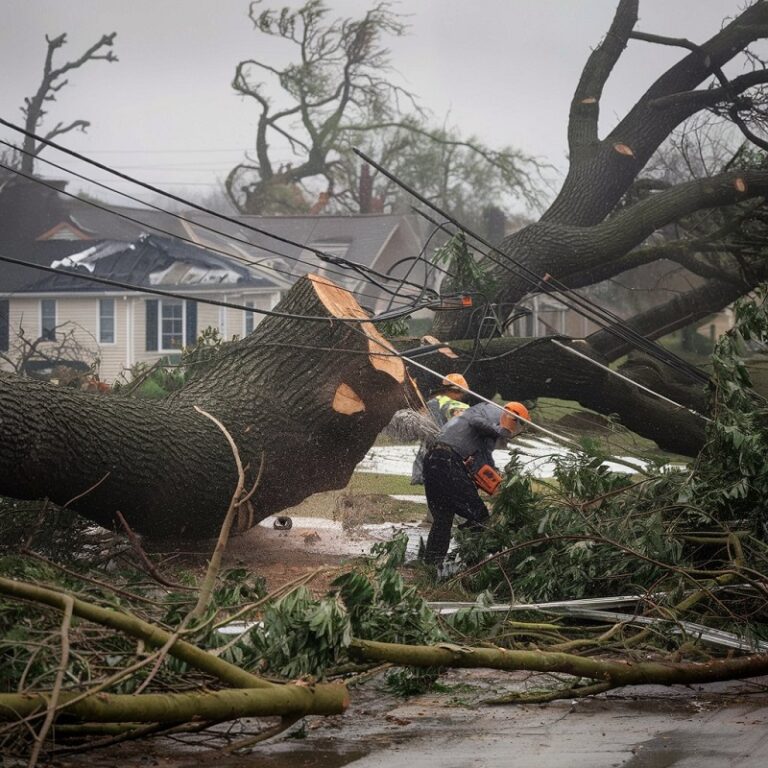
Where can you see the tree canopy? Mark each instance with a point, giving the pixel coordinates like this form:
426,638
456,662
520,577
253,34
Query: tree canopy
339,91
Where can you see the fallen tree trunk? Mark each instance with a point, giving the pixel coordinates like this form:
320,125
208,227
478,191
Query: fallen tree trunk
310,395
522,368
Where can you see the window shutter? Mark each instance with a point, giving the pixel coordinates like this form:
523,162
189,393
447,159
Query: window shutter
151,305
190,336
5,334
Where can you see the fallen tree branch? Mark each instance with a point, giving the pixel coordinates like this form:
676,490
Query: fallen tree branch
148,564
615,673
135,627
213,706
50,713
209,581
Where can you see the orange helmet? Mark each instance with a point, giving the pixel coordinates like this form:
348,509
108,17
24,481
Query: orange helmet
453,379
511,411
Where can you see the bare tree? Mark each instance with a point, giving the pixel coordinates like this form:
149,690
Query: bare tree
60,347
338,94
48,89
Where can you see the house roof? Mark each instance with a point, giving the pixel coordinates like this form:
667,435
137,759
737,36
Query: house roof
150,260
362,235
14,277
361,239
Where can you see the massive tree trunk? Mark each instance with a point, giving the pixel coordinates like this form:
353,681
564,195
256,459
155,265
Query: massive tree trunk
307,391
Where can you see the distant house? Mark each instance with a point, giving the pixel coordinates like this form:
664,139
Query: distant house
386,243
243,261
125,326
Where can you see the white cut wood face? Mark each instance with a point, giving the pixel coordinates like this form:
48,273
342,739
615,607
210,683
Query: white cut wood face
347,401
341,303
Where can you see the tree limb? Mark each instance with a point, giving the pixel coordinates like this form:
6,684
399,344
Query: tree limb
585,105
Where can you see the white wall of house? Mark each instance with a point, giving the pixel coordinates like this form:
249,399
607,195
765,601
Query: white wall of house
129,347
81,315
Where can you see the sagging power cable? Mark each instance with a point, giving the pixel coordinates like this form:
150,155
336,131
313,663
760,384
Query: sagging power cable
634,383
361,269
408,360
549,284
155,228
213,302
260,263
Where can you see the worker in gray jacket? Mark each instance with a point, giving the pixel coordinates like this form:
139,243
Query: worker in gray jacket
460,461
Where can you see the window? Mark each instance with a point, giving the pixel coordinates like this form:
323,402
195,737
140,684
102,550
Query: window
171,325
48,319
106,321
250,319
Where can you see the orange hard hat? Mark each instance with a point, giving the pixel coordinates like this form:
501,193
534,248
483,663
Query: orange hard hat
511,411
453,379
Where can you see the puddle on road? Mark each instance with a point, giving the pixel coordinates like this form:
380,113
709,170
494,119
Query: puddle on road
332,754
667,750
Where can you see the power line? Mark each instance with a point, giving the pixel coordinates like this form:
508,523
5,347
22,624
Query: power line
180,217
548,284
184,296
326,257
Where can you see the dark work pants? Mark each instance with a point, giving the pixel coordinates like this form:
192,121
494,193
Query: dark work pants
450,491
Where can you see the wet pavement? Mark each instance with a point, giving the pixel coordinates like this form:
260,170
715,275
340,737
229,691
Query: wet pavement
650,727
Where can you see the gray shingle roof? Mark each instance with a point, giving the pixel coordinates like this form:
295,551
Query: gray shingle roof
150,260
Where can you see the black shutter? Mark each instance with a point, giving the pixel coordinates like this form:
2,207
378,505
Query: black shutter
190,336
5,334
151,305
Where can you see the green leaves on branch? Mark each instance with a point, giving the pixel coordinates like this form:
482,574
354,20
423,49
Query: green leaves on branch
300,635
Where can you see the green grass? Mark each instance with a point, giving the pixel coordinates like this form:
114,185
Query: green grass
365,482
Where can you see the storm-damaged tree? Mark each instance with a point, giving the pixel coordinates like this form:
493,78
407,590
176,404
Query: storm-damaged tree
309,390
607,219
339,93
51,83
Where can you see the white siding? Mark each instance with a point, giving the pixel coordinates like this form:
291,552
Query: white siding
81,315
130,318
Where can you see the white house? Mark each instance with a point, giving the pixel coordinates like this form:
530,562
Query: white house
123,326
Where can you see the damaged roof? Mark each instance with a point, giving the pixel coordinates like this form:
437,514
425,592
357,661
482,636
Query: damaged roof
150,261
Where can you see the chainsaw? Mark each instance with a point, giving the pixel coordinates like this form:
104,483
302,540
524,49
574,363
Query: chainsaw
486,478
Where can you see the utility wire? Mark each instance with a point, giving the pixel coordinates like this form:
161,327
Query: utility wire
408,309
634,383
213,248
326,257
214,302
549,285
179,216
587,308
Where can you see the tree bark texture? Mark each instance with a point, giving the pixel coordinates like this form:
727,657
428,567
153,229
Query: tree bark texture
284,393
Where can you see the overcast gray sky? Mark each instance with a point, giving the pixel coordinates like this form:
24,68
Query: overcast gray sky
503,70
